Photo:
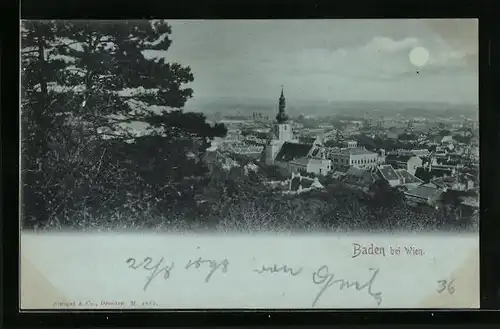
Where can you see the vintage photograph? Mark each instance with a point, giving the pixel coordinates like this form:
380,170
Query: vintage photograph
250,126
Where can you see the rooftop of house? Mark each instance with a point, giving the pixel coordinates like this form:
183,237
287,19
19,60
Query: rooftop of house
388,173
449,161
397,158
304,182
364,140
425,192
318,161
449,181
291,151
407,177
445,180
334,150
436,171
360,151
301,161
447,138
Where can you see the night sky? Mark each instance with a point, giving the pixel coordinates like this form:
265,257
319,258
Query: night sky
329,60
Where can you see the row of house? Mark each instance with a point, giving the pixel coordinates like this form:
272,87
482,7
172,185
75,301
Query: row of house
415,189
421,174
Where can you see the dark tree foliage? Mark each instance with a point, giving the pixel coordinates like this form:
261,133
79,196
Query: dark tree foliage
273,172
37,106
83,82
454,211
385,196
119,77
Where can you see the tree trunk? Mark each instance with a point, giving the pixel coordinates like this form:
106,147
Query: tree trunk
41,63
39,145
39,111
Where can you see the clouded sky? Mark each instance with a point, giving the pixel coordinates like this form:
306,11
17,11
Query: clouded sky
330,60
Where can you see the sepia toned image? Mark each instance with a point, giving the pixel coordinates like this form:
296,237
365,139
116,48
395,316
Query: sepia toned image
155,147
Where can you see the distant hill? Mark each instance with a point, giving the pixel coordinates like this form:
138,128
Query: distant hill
245,106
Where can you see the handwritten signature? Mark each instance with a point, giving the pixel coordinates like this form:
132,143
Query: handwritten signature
322,276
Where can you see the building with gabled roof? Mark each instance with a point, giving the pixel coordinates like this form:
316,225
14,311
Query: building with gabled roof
408,180
291,151
388,173
310,165
424,195
300,184
396,160
428,173
358,157
408,162
461,182
447,139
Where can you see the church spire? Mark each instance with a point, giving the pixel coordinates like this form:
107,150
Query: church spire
282,117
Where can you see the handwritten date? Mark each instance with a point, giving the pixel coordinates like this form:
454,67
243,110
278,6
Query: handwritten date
212,264
155,269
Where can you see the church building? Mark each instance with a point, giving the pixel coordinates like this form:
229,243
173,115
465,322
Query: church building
283,150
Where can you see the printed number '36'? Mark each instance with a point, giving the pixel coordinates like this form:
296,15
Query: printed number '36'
445,285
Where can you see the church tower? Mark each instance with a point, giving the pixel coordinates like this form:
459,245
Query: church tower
281,117
282,128
280,133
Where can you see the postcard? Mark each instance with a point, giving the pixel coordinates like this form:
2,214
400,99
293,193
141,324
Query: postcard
249,164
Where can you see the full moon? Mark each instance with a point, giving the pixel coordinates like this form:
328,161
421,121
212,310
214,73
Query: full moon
419,56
